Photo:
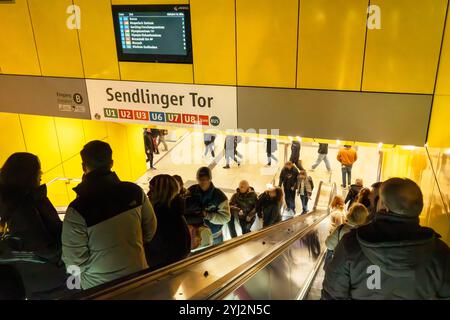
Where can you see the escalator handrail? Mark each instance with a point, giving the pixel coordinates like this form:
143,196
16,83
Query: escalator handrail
145,276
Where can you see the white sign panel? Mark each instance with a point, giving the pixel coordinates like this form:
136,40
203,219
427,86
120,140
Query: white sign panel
163,103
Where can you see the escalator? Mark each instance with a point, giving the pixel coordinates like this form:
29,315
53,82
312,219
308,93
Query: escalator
278,262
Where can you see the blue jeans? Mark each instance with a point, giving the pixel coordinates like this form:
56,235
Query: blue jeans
320,158
346,173
304,200
289,196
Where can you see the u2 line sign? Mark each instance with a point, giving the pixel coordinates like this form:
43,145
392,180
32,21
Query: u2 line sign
163,103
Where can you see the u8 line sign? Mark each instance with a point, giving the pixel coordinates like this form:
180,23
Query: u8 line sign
163,103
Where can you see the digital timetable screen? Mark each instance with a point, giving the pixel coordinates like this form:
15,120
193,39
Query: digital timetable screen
150,33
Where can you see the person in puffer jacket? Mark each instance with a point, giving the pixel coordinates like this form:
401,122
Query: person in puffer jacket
393,257
207,204
243,206
108,225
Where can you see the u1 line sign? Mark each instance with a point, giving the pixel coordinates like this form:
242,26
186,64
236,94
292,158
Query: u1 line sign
163,103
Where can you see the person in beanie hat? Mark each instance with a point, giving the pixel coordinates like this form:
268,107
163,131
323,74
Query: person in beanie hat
207,204
393,257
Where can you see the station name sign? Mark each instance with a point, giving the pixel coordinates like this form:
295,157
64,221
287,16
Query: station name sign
163,103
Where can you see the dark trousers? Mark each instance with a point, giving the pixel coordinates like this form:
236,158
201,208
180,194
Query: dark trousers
270,156
150,158
289,196
346,175
209,148
304,199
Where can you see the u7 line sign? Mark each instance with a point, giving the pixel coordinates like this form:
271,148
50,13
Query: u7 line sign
163,103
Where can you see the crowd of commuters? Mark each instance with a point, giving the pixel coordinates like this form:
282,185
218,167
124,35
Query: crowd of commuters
378,250
113,229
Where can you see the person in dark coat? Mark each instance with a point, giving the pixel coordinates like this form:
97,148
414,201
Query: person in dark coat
393,257
353,192
268,206
31,239
364,198
206,204
288,179
172,240
149,147
271,147
243,206
295,153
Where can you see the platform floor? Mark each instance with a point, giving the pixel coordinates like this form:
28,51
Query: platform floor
185,156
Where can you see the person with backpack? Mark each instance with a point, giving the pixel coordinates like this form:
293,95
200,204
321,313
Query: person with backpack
305,186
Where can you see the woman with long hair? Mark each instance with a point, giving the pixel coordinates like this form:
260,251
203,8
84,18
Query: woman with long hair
337,212
30,224
172,241
268,206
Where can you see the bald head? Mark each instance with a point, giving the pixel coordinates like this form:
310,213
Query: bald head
244,186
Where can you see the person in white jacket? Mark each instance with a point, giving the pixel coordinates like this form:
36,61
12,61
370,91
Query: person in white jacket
337,212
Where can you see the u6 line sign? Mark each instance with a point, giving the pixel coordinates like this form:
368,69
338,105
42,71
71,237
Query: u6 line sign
163,103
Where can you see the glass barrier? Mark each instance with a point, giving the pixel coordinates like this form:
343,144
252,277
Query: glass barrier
430,169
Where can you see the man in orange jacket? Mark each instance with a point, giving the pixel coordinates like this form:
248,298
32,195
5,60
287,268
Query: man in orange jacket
347,157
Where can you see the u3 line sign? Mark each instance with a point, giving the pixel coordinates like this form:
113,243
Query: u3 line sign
163,103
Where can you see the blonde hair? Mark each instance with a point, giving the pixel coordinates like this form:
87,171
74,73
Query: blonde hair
337,203
357,214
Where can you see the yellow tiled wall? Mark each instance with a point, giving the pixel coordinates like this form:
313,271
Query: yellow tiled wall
58,141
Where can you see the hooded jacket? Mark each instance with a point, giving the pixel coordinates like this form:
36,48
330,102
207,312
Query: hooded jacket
288,177
268,209
245,202
106,227
410,262
212,201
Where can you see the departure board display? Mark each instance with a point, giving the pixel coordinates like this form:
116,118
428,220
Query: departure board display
153,33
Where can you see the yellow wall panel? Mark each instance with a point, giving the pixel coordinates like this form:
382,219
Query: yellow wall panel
331,44
94,130
443,79
58,49
97,42
266,42
149,1
156,72
73,168
213,41
70,136
439,131
136,151
117,138
40,139
57,190
17,48
10,124
402,56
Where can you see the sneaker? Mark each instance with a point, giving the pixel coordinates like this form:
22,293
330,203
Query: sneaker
239,164
226,167
268,165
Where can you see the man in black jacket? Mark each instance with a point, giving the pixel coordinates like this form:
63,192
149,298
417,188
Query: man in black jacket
392,257
149,147
288,179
